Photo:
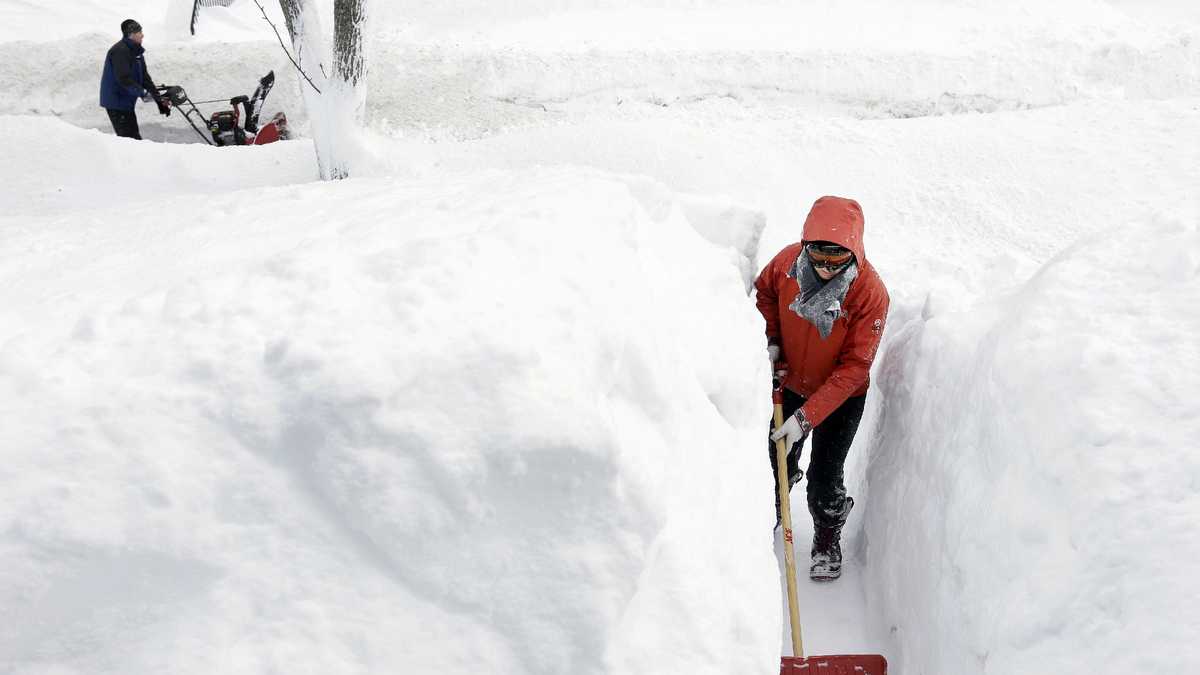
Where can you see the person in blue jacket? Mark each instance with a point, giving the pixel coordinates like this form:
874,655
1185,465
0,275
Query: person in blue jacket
126,79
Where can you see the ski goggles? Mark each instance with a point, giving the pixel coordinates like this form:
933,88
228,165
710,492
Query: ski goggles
828,256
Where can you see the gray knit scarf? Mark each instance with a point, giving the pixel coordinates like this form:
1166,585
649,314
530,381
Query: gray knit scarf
820,302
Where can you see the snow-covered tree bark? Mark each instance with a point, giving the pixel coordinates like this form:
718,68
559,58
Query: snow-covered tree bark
336,110
348,18
291,11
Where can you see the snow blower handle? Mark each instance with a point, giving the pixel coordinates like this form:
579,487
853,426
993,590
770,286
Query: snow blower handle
785,513
173,94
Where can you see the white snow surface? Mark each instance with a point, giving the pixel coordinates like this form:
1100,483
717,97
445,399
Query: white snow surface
497,403
415,407
1035,480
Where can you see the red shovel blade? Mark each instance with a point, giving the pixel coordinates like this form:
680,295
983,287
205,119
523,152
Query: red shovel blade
854,664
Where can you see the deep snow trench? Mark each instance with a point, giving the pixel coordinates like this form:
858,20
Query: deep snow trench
500,398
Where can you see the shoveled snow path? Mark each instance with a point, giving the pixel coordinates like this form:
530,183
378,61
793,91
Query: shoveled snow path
833,614
957,208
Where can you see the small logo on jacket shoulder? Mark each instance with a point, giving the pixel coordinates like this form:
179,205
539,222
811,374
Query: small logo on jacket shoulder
877,327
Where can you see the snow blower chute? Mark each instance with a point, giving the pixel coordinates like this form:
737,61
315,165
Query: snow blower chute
852,664
236,126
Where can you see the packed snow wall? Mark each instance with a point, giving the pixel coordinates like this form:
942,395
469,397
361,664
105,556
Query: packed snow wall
1034,479
511,418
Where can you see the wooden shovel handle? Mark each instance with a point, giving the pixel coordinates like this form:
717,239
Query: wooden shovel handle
789,552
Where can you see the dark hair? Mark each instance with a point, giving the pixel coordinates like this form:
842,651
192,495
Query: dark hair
129,27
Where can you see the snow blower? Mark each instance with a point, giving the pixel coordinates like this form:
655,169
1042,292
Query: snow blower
853,664
236,126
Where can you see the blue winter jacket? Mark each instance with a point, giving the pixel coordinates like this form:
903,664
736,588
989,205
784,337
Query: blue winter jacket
125,76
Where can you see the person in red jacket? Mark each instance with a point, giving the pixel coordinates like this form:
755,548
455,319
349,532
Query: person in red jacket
825,308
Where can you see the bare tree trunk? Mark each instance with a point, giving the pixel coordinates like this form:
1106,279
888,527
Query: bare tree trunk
348,18
336,111
291,11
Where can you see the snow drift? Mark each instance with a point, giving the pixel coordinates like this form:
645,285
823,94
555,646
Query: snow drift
66,169
1035,480
512,418
457,72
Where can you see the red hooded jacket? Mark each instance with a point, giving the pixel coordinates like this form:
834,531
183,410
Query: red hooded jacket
825,371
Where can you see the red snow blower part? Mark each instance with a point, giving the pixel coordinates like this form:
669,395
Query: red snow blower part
236,126
852,664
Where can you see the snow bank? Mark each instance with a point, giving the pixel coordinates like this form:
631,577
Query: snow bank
160,19
988,67
864,58
776,61
65,169
512,418
1035,481
718,61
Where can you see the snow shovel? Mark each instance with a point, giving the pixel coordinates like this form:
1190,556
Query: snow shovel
854,664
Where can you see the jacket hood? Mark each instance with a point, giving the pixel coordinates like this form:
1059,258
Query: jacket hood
838,220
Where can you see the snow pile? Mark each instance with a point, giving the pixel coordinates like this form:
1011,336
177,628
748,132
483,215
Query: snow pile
72,169
511,418
1034,484
160,19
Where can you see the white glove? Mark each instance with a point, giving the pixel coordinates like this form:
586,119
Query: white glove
795,429
773,353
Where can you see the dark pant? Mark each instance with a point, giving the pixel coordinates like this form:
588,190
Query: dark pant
827,501
124,123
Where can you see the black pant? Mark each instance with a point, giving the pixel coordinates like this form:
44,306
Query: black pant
827,501
124,123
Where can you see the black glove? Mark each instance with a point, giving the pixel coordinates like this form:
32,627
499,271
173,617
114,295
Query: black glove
164,108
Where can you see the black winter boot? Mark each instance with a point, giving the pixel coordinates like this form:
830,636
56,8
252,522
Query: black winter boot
826,554
827,548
